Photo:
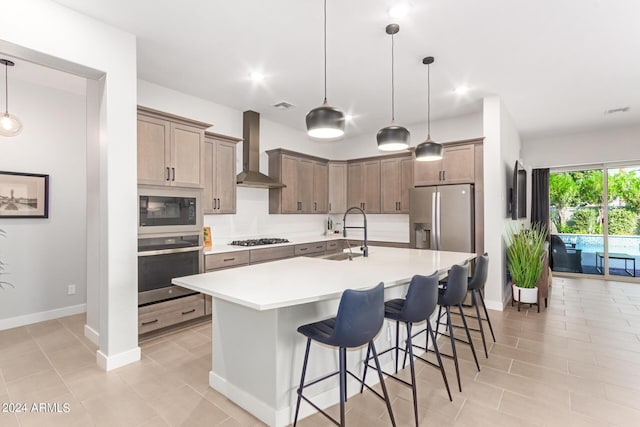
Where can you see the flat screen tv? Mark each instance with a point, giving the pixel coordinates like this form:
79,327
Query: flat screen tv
519,192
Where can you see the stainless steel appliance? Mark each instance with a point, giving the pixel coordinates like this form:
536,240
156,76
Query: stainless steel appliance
161,259
259,242
442,218
168,211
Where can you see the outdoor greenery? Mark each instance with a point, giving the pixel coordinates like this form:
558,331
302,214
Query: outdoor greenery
525,252
576,201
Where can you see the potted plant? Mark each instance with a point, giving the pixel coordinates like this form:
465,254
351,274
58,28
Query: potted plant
525,254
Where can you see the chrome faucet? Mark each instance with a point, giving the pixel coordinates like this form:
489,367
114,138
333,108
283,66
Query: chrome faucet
364,248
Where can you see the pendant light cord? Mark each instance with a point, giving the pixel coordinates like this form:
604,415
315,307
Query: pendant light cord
393,92
428,101
325,51
6,88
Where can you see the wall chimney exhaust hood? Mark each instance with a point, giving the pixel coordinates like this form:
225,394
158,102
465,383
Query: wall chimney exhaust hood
250,175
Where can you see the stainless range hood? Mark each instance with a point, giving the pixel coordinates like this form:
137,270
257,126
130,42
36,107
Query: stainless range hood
250,175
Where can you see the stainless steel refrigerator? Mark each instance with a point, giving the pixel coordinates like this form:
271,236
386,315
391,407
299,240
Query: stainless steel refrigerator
442,218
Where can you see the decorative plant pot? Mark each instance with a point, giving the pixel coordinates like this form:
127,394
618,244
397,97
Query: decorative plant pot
525,295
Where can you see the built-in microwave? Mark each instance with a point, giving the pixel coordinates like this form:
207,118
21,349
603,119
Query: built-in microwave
168,210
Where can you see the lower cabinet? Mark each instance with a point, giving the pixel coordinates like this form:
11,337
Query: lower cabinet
169,313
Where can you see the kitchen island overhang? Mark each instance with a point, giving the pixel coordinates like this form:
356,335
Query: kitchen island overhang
256,351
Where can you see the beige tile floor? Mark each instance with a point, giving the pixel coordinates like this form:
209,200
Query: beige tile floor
575,364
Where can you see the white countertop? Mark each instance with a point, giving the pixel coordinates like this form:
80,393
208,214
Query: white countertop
222,248
301,280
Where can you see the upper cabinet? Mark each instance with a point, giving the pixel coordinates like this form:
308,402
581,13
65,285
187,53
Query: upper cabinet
170,149
363,185
456,167
306,180
219,195
396,179
337,187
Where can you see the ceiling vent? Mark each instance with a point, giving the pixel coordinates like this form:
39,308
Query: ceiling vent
283,105
617,110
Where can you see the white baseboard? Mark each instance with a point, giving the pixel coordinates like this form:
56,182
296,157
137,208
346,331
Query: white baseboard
115,361
28,319
92,335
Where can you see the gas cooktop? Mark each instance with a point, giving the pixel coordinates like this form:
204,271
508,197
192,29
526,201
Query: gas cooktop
259,242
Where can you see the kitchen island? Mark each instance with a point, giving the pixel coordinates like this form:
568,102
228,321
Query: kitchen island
257,353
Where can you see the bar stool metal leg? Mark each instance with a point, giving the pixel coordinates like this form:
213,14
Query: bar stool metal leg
453,345
486,313
413,373
384,387
474,301
343,381
438,357
466,328
304,372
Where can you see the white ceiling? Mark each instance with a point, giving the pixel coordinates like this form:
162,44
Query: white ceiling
557,64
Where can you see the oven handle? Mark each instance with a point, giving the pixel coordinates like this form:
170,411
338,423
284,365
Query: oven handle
170,251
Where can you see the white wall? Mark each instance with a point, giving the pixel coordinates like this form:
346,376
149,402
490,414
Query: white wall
611,145
50,37
43,256
501,149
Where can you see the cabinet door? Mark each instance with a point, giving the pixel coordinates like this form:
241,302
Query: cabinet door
458,164
154,139
428,173
208,204
225,175
371,184
320,187
187,155
337,187
406,182
305,185
290,178
355,189
390,185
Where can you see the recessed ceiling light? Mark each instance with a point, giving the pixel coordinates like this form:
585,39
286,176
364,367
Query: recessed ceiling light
256,76
617,110
399,10
461,90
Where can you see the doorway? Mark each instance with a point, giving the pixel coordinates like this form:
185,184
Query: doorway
594,220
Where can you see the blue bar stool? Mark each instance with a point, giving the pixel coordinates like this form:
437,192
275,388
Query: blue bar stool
359,319
453,296
416,307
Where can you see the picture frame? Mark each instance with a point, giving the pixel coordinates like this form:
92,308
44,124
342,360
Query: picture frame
24,195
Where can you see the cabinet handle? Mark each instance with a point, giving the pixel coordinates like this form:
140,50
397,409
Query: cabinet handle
168,174
217,204
173,170
315,206
318,247
189,311
303,249
329,206
364,206
150,322
228,259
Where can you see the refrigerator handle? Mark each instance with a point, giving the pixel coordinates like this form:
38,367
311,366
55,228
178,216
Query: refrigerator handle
434,230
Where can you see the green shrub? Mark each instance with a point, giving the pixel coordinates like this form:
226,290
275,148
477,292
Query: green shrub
584,221
622,221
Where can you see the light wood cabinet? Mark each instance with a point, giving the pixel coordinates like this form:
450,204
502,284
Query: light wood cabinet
396,179
337,187
170,149
168,313
306,179
456,167
363,185
314,248
226,260
219,196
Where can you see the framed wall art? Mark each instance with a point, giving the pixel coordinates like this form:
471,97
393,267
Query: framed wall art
24,195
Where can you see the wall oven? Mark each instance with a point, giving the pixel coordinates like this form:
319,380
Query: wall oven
161,259
168,210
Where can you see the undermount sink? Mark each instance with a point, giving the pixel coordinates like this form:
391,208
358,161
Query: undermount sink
340,256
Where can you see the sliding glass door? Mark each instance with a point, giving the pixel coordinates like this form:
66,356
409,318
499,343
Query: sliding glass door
594,220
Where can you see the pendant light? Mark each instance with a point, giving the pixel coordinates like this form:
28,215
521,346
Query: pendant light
393,137
10,125
428,151
325,122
